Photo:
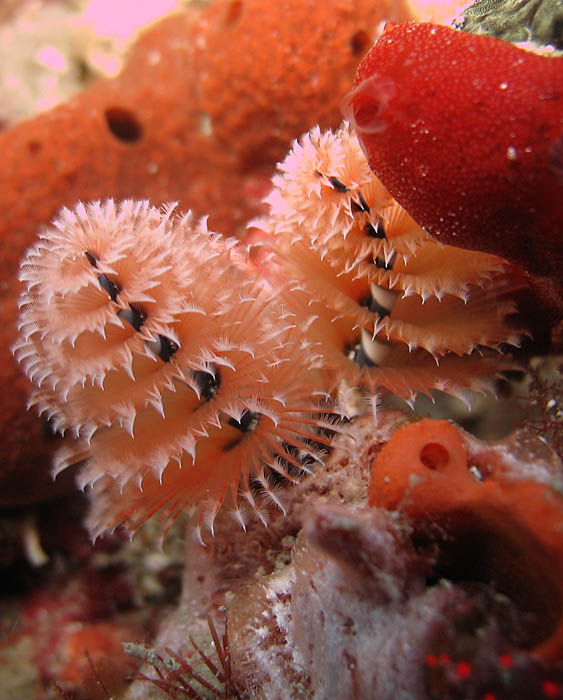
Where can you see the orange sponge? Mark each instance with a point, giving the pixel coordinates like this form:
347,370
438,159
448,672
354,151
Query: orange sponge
488,514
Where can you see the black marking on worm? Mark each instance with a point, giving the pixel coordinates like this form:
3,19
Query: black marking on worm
377,308
109,286
363,359
48,430
363,203
208,382
377,231
247,424
382,265
164,347
248,421
134,316
361,206
337,184
350,351
92,259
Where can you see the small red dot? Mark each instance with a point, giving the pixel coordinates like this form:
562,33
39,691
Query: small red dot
550,689
505,660
489,696
463,669
431,660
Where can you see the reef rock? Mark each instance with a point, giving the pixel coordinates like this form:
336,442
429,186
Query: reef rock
391,602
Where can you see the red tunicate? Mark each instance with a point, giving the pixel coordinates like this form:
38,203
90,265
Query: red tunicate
471,144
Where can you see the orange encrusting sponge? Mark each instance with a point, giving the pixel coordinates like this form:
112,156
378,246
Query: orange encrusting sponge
430,473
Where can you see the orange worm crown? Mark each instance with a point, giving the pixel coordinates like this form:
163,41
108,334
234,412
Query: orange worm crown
182,378
392,307
195,370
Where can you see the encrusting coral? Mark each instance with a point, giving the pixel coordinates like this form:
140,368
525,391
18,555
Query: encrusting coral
535,22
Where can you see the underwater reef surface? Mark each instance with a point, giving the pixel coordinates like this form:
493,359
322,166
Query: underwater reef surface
377,603
517,21
416,561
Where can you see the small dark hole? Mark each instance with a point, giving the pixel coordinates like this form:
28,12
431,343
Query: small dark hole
34,148
359,42
70,178
123,124
434,456
234,12
366,113
476,556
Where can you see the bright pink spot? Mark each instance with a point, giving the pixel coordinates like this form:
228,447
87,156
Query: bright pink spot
550,689
52,58
122,19
463,669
